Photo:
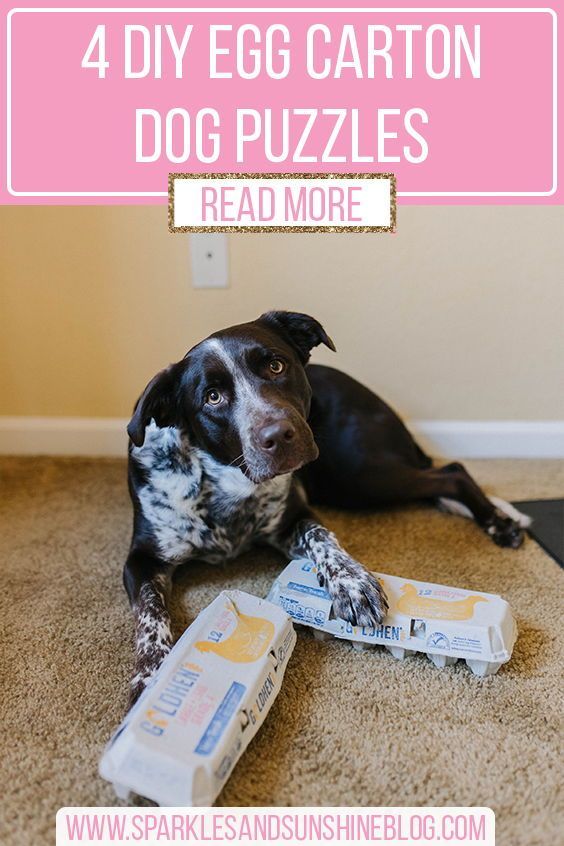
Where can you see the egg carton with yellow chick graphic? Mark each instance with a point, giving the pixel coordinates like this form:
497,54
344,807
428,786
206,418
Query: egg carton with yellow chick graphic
446,623
179,743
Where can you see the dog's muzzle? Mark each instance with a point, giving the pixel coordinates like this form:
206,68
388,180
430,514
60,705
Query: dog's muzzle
279,446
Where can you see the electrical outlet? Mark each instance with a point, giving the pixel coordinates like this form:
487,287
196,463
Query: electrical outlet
208,257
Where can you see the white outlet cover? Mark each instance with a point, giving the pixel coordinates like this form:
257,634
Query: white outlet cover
209,261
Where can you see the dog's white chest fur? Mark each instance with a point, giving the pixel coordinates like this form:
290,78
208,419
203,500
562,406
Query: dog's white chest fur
197,507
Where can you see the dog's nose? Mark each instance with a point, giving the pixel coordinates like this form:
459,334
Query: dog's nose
275,435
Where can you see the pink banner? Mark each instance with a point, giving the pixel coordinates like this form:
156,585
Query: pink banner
460,103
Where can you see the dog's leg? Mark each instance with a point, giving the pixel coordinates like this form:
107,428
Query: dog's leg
147,582
451,506
457,492
368,458
357,595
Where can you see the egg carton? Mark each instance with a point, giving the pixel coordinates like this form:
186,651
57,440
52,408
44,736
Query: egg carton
448,624
179,743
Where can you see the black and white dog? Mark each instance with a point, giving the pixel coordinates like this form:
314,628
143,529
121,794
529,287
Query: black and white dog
231,444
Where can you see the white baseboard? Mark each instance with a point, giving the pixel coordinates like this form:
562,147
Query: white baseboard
491,438
96,436
106,436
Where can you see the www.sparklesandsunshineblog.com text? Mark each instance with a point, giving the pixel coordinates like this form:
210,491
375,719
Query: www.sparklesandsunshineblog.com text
276,826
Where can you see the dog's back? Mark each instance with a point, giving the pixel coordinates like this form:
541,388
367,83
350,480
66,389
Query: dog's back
364,447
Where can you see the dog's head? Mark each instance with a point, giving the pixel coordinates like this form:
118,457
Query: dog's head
242,395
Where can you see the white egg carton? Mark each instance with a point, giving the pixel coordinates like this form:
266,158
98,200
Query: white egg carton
179,743
446,623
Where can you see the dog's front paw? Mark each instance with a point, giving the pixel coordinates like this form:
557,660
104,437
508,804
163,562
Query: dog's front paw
358,597
504,531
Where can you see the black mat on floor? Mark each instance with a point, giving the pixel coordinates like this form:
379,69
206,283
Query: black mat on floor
548,524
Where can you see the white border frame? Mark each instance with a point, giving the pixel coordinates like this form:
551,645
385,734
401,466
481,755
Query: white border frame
223,10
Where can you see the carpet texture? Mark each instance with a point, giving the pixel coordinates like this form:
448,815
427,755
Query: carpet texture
349,728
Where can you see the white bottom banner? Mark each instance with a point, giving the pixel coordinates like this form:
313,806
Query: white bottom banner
276,826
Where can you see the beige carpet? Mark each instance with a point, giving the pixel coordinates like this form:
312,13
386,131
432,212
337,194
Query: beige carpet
347,729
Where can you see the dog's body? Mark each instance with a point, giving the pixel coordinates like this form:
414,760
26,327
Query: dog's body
231,444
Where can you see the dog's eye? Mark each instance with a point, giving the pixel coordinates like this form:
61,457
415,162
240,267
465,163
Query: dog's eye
213,397
276,366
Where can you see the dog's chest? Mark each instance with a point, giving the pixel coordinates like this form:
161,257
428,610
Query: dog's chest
197,507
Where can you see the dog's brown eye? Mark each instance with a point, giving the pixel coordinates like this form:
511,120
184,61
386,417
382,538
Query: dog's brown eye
276,366
213,397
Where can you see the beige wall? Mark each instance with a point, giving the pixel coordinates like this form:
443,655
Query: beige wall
460,315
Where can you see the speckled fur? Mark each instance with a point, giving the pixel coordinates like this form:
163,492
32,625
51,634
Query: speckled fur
199,508
153,636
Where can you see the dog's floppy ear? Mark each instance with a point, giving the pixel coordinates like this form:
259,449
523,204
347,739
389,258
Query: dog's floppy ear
300,330
158,402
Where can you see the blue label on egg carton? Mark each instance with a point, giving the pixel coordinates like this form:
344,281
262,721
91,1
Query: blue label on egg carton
310,615
220,719
302,613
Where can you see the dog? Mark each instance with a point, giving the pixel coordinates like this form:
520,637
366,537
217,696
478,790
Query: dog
230,445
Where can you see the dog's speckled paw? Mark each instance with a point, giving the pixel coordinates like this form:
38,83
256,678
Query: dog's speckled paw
358,597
